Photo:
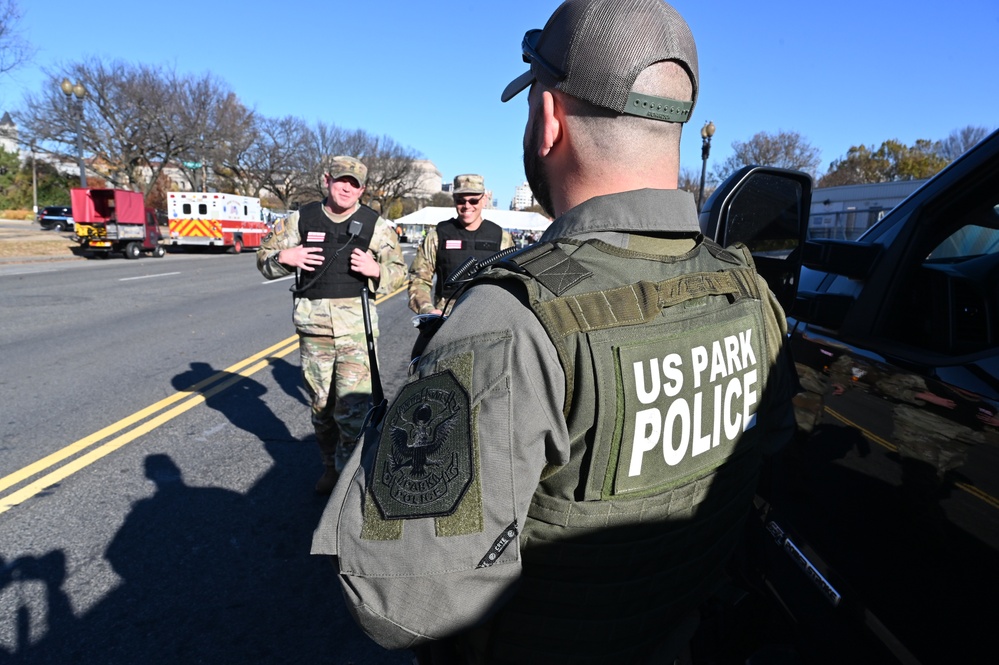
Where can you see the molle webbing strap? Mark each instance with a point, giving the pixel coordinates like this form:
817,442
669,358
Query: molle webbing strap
552,267
640,302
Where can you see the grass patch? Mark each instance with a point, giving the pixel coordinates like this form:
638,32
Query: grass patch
57,246
24,215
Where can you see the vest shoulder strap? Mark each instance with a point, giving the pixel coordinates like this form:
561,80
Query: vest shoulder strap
304,213
365,214
550,265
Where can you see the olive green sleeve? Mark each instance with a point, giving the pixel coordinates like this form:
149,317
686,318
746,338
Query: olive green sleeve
387,251
283,236
421,274
507,241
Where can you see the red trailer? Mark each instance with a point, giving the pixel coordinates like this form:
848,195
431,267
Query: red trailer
115,220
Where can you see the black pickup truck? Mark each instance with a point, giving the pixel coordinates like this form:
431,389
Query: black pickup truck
877,534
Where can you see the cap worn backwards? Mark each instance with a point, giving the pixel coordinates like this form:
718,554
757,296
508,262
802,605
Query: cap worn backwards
348,166
595,49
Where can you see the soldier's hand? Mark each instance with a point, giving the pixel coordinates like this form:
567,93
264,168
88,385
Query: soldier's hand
362,262
306,258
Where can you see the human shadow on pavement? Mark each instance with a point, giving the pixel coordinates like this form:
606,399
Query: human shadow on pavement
208,574
289,377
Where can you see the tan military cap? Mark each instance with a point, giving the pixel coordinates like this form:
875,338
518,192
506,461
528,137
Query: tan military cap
343,166
469,183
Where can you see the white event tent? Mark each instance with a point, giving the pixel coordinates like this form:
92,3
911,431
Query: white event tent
513,220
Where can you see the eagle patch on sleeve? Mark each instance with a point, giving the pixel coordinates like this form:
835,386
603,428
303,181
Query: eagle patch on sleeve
424,463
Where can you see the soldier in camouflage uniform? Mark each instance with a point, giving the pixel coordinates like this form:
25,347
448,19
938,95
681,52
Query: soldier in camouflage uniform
466,235
335,245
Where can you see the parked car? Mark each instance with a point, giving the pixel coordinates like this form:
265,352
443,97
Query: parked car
879,536
57,218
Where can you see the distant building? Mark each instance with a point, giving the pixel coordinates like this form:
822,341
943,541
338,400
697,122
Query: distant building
845,212
8,133
10,141
427,179
523,197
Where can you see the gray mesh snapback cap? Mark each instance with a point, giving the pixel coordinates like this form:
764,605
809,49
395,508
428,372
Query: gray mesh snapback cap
595,49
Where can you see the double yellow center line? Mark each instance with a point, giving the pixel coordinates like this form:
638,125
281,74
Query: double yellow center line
188,399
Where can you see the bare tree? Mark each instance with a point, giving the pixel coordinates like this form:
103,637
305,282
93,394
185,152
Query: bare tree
689,180
321,144
216,131
237,136
441,200
785,149
14,49
960,141
124,122
392,173
137,121
275,156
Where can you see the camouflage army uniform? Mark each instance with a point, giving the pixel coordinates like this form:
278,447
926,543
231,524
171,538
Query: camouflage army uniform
421,274
331,337
422,299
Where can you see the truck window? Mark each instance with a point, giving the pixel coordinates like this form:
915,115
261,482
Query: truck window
947,301
186,208
202,208
966,243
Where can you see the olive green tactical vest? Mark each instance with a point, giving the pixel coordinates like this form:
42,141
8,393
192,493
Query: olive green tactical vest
666,359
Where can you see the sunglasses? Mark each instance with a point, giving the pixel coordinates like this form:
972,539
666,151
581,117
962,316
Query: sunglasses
470,200
531,55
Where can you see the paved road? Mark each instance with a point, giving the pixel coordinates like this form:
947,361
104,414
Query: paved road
156,468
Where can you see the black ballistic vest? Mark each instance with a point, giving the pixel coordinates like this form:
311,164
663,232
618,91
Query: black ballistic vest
334,279
455,244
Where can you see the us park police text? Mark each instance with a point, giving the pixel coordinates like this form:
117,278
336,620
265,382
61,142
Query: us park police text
715,409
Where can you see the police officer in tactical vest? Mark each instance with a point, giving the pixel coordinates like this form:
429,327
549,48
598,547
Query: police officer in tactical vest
565,475
448,245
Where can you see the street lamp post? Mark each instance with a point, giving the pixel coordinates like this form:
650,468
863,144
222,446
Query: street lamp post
34,180
707,131
77,90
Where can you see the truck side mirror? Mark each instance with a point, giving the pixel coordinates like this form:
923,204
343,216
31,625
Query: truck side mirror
767,209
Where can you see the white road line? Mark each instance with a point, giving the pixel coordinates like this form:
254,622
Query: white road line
165,274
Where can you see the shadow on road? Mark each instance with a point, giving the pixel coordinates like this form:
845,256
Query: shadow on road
207,574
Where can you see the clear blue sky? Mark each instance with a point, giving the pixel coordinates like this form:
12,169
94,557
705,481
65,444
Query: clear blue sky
429,74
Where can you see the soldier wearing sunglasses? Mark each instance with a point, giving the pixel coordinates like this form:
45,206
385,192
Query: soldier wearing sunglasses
450,243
